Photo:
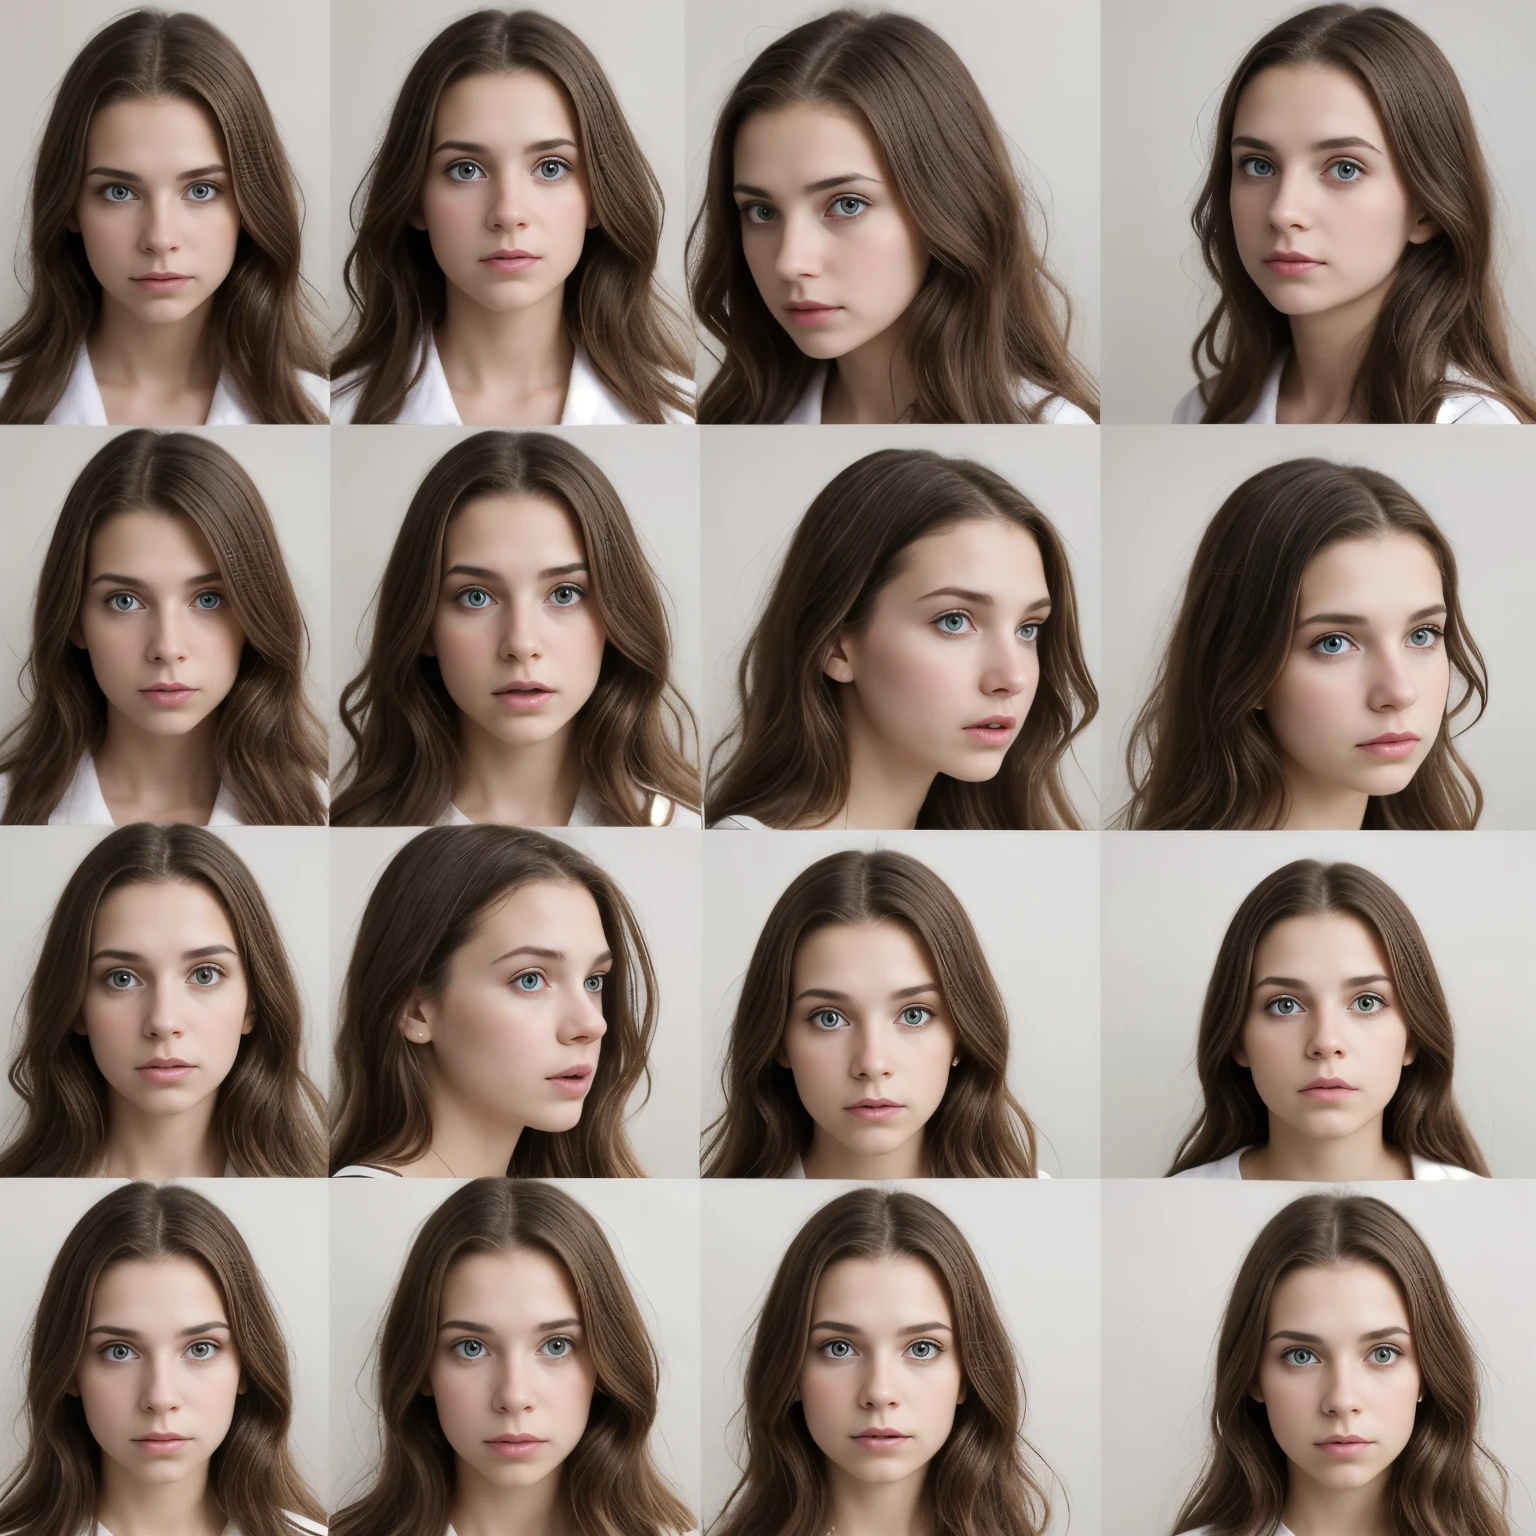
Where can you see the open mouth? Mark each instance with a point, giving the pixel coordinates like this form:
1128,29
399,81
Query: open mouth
994,731
575,1081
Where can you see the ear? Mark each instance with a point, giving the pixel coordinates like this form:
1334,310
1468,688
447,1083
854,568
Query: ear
837,665
1424,230
781,1056
78,1027
71,223
964,1391
77,634
415,1025
427,648
244,1383
72,1386
1240,1056
1256,1393
416,219
1409,1052
248,1023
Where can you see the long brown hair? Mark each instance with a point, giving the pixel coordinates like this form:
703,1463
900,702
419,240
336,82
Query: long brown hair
613,308
986,316
259,324
785,757
986,1480
1439,1483
1444,309
979,1130
268,745
1201,755
251,1476
1422,1119
267,1115
632,736
427,904
609,1484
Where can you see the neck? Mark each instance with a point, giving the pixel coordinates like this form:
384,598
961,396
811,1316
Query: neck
469,1143
521,351
874,382
160,1147
168,359
1312,1510
1312,805
531,786
127,1507
159,773
1327,350
877,1509
1363,1154
827,1159
481,1509
885,790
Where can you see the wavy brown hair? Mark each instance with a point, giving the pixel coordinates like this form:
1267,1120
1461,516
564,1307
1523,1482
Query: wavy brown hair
1440,1481
609,1485
614,310
251,1476
985,1480
1201,755
259,324
989,313
1444,309
267,1116
427,904
1422,1119
979,1130
632,736
785,758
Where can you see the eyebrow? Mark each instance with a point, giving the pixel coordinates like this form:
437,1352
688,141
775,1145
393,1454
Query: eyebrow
845,997
833,1327
464,146
488,575
539,953
1357,618
138,581
984,599
117,175
1301,986
1365,1338
824,185
459,1322
1344,143
133,1333
186,954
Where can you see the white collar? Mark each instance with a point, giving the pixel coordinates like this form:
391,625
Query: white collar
807,411
81,403
84,805
1452,407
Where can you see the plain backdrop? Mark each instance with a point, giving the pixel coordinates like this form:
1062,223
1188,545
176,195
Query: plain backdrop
1171,1252
653,1228
375,472
283,1222
1033,899
758,485
1160,494
1168,898
640,49
1038,1246
659,875
1036,65
1165,69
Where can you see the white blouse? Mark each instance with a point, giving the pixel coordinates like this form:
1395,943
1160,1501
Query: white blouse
584,814
298,1522
1228,1168
364,1171
797,1171
1058,412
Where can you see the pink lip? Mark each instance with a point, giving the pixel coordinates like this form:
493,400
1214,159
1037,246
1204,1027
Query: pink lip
1391,744
1329,1089
515,1446
881,1439
167,694
509,261
875,1109
812,314
1343,1447
574,1083
524,698
166,1070
1291,263
994,731
162,282
162,1445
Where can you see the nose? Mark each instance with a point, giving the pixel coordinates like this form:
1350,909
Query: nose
1325,1042
800,248
161,1019
514,1384
161,1394
1391,685
521,639
509,205
1290,203
161,231
1007,665
878,1388
869,1053
1341,1391
168,637
582,1021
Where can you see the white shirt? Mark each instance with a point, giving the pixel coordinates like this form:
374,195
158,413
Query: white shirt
584,814
1280,1530
1227,1168
739,824
797,1171
298,1522
1058,412
363,1171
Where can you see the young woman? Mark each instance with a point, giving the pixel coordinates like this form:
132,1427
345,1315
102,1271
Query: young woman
870,1040
504,266
520,665
517,1385
863,252
880,1284
1308,678
158,1393
1346,1395
1347,222
925,608
496,1016
163,253
1326,1044
163,1025
167,670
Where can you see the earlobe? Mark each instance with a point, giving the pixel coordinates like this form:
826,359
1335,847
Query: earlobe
1424,231
1409,1053
415,219
1240,1056
837,666
414,1024
248,1023
1255,1393
72,1387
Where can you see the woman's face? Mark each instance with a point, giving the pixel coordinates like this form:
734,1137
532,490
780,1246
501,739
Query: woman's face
505,202
156,210
1339,1377
1320,213
158,1373
835,255
166,996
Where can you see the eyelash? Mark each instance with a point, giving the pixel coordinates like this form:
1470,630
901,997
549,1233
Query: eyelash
143,607
565,170
747,209
560,1338
586,984
210,1344
1302,1349
565,586
1285,997
219,974
929,1015
1247,163
1418,629
960,613
933,1344
133,197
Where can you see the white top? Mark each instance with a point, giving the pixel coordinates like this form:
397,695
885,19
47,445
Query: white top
429,403
1058,412
1459,410
1280,1530
797,1171
584,814
1227,1168
739,824
363,1171
298,1522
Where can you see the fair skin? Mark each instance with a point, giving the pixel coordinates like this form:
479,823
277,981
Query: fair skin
942,674
155,611
511,1365
1339,1379
158,1379
519,641
881,1355
507,207
834,253
1367,664
870,1043
1326,1042
1314,177
157,198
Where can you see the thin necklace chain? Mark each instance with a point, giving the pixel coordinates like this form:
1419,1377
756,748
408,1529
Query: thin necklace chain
443,1160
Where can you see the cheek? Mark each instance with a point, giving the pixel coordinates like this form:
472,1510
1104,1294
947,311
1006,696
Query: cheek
818,1067
908,679
453,215
1310,704
824,1395
885,261
463,650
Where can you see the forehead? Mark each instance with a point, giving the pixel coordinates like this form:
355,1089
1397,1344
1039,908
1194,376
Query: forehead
1320,947
509,111
882,956
1340,1302
147,539
881,1295
167,134
512,1290
550,914
1396,573
1305,103
163,1294
803,143
989,554
512,531
161,915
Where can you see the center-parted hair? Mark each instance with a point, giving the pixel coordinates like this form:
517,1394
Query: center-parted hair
979,1129
1201,755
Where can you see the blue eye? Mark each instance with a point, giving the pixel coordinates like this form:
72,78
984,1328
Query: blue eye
1257,165
206,188
207,975
474,597
1424,637
848,206
1029,632
954,623
1331,645
1283,1007
593,983
117,1353
209,1348
110,193
930,1350
558,1348
827,1018
837,1349
915,1016
757,213
1391,1351
124,602
475,172
566,595
1354,169
559,168
470,1349
120,981
209,601
1292,1356
529,981
1369,1002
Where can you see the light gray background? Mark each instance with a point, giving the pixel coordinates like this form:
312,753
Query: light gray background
653,1228
1036,64
1033,899
287,863
1159,496
758,485
375,471
283,1222
1171,1253
658,873
1038,1244
287,45
640,48
1168,898
1165,69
